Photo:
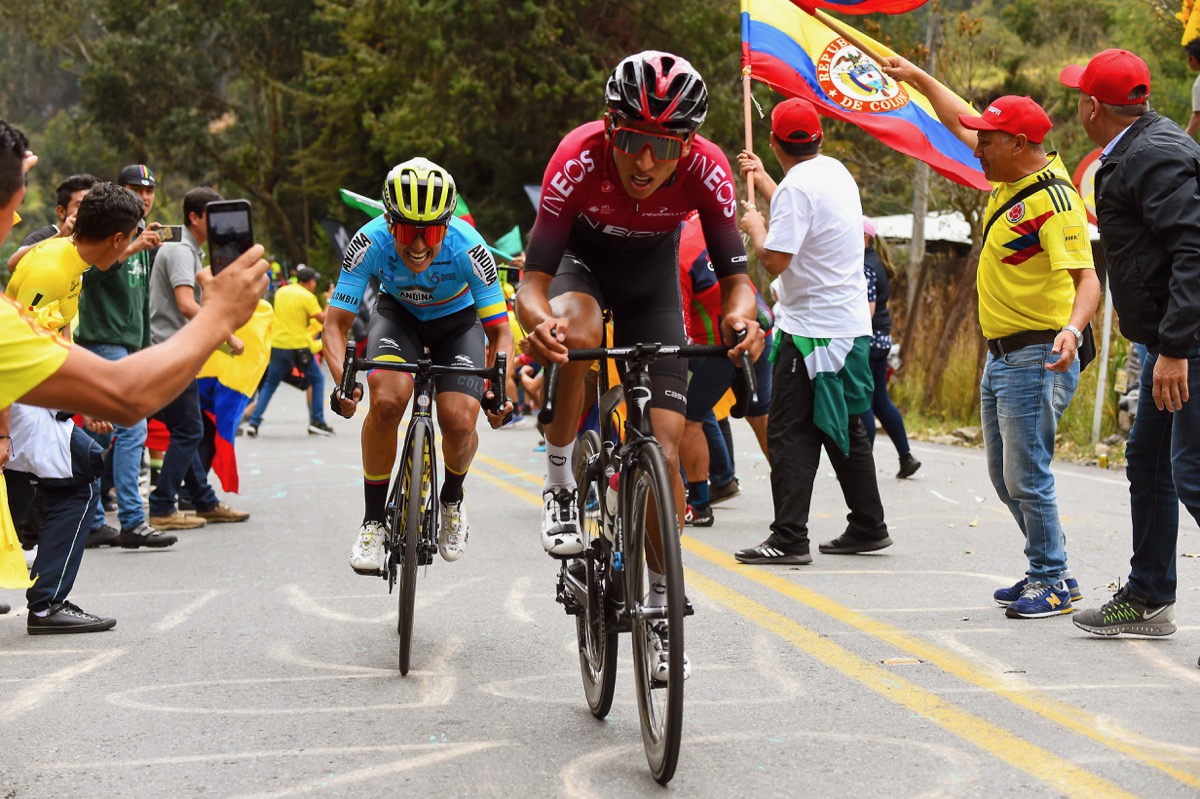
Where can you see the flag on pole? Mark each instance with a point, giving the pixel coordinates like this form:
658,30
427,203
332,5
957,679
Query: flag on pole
862,6
226,384
799,56
1190,18
509,245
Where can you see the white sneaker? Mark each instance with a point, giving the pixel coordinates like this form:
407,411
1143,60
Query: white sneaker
366,556
658,642
453,531
560,522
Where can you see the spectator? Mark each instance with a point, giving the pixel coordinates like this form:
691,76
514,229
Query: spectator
69,195
878,271
114,321
175,297
822,379
1037,292
296,306
1148,207
1193,59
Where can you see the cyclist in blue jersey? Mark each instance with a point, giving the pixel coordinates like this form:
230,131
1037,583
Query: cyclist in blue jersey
439,291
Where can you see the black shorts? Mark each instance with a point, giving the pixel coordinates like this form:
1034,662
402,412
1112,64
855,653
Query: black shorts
641,289
453,340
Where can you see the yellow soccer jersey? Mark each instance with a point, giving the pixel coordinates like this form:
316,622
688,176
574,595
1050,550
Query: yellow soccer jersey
1023,282
294,306
28,353
47,282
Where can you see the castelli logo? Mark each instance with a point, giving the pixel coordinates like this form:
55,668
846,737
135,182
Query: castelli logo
855,82
1016,213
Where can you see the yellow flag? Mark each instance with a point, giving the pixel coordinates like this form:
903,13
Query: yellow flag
1191,22
244,372
13,571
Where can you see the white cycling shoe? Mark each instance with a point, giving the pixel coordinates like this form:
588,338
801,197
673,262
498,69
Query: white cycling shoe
366,556
560,522
452,531
658,642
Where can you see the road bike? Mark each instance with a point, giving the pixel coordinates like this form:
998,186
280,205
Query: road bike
607,588
411,521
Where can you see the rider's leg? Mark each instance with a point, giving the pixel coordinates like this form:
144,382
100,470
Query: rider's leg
456,415
586,329
390,393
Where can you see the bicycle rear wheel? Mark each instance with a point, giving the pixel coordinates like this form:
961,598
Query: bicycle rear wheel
597,642
660,705
410,515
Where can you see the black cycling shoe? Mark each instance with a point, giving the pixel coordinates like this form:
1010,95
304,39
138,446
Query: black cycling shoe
103,536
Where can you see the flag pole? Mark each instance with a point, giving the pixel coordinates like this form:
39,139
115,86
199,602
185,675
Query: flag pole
747,101
848,34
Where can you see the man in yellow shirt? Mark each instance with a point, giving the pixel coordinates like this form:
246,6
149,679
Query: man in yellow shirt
48,283
1037,291
296,306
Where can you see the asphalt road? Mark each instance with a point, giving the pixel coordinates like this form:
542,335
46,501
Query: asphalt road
249,661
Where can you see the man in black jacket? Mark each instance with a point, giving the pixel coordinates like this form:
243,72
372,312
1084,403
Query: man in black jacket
1148,206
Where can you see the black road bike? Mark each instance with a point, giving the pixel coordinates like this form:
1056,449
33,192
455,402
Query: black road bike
606,587
411,522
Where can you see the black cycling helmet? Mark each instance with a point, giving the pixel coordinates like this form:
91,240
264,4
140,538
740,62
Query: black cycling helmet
659,88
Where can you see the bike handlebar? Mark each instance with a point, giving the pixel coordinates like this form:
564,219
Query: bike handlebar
642,352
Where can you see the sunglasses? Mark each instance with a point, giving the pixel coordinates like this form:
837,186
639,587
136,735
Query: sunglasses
662,147
406,234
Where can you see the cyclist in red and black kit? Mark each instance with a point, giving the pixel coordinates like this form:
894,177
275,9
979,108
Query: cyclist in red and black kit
607,236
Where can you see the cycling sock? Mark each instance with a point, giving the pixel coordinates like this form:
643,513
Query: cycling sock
452,486
375,489
698,493
658,590
558,465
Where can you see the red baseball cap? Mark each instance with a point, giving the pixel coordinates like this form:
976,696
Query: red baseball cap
1013,115
1116,77
795,120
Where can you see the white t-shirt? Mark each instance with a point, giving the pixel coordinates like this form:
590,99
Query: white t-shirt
1196,95
816,216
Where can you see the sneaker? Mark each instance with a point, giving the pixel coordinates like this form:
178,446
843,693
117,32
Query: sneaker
366,556
103,536
718,494
314,429
1006,596
1040,600
67,618
143,535
560,522
768,553
908,466
1126,613
658,641
4,608
176,520
252,430
453,531
518,422
222,513
846,544
698,515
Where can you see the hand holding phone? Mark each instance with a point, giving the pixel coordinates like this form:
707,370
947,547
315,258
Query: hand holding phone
169,233
230,232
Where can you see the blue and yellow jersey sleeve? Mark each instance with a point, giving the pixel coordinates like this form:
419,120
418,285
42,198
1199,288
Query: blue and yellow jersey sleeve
483,279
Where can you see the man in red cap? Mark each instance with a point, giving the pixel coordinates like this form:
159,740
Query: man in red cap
1148,206
822,378
1037,292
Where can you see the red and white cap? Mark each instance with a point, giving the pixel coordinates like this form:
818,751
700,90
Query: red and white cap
1013,115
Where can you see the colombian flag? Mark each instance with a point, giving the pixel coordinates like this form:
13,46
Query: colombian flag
227,384
861,6
797,55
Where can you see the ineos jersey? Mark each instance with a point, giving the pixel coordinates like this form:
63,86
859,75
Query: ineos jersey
463,274
584,204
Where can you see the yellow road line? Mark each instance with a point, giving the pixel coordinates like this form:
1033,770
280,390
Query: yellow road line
1013,750
527,476
1073,718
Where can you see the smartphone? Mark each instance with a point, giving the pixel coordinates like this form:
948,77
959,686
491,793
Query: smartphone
230,232
170,233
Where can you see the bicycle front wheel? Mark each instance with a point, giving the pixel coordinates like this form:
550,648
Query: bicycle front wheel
648,505
410,516
597,641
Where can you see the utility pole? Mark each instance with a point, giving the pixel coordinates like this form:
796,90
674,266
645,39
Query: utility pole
920,206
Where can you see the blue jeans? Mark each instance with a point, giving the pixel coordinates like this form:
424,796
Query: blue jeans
1163,456
181,462
281,365
1020,405
125,456
882,407
720,459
